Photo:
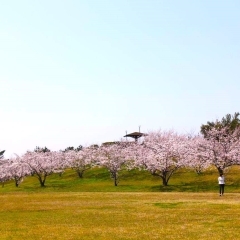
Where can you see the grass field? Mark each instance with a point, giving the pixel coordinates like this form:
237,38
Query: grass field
94,215
139,208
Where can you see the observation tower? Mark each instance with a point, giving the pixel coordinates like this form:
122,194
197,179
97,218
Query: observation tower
135,135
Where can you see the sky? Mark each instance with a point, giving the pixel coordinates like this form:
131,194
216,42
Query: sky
82,72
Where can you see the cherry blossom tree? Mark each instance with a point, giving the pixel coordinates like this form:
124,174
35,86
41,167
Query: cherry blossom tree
195,160
80,160
4,173
17,169
222,147
43,164
113,157
162,153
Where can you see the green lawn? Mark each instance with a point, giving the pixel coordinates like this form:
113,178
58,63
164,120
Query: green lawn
139,208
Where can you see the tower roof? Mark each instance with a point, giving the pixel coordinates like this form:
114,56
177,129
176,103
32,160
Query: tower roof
135,135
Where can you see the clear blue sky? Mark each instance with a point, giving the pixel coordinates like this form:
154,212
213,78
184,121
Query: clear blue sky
84,72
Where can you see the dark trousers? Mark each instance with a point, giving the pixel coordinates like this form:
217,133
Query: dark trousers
221,189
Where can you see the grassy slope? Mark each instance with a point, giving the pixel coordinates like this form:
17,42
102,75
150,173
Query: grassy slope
98,180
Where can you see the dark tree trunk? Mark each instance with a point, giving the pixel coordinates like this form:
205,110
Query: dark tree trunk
164,178
16,183
220,170
166,175
164,182
115,178
115,182
80,174
42,183
42,180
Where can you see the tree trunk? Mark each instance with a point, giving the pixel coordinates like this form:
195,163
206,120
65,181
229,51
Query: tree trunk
42,184
42,180
115,181
80,174
220,170
114,176
164,178
164,181
16,183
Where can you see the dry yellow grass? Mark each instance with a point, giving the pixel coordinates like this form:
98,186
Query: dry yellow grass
119,216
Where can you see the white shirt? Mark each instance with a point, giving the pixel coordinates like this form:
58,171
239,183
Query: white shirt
221,180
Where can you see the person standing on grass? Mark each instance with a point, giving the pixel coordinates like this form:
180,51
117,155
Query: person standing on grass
221,182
